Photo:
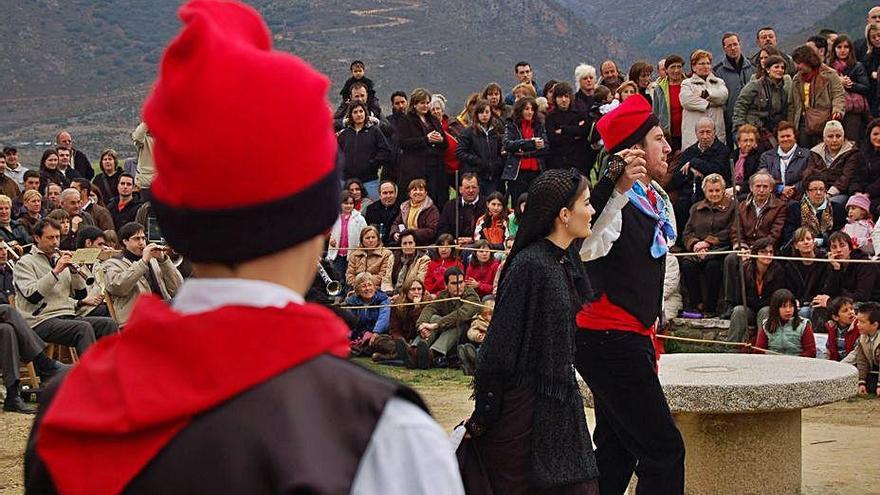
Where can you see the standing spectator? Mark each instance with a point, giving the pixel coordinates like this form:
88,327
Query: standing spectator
102,216
49,173
746,158
145,169
422,143
53,196
142,268
584,99
7,184
867,176
760,215
399,106
871,61
611,77
371,257
364,148
479,148
766,38
108,180
492,93
736,71
65,166
492,226
12,232
817,96
784,331
125,205
763,277
32,201
359,93
358,192
836,160
382,213
862,45
418,215
79,159
525,141
567,133
524,75
451,131
641,73
460,214
763,102
14,169
705,157
842,328
410,263
667,100
856,85
805,277
786,163
345,233
815,212
707,229
866,355
702,95
480,273
371,321
445,256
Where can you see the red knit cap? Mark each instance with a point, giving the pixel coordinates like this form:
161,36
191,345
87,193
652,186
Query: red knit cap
244,148
627,124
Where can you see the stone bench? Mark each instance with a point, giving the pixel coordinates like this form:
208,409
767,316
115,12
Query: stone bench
736,412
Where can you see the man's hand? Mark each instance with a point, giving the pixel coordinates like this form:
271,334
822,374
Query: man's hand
788,192
464,241
152,251
481,337
820,300
539,143
837,116
62,263
834,264
635,169
74,223
434,137
93,300
863,390
472,283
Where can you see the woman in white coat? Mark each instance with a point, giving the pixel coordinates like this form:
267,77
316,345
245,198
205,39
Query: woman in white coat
345,236
702,95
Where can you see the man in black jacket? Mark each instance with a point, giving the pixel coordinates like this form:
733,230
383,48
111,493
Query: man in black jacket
382,213
567,132
124,207
466,208
80,161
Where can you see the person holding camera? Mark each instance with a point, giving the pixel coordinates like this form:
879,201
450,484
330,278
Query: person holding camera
141,269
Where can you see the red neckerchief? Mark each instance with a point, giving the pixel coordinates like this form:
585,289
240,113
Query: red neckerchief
134,392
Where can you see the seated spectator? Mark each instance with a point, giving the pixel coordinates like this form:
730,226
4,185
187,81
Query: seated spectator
514,218
53,196
125,205
33,210
853,280
442,323
481,270
93,304
402,323
459,216
382,213
784,331
103,218
836,160
815,212
760,215
859,225
141,269
370,322
492,226
567,132
49,173
418,214
479,148
763,277
672,301
65,166
345,234
67,237
866,355
365,150
410,263
476,334
108,180
8,186
446,257
805,278
786,163
371,257
745,160
11,231
358,193
842,328
705,157
708,229
46,293
71,202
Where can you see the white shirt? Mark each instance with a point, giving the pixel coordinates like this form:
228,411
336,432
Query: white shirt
17,175
408,452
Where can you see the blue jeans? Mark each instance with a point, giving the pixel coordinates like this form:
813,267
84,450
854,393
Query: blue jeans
372,189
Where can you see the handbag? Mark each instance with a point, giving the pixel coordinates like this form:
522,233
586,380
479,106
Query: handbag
470,463
815,120
856,103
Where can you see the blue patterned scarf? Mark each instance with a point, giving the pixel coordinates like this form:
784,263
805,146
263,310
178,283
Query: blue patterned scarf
664,232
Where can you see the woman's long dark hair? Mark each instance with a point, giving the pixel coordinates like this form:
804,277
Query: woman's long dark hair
780,297
549,193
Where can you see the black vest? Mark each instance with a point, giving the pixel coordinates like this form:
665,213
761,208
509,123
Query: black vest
303,431
628,274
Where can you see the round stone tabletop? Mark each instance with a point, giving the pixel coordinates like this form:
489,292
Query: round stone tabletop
739,383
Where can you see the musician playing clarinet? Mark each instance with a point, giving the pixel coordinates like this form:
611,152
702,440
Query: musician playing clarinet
47,286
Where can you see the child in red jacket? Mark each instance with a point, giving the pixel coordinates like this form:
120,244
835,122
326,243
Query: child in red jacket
480,274
447,257
842,328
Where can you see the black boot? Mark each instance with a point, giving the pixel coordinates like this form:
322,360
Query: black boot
14,402
47,368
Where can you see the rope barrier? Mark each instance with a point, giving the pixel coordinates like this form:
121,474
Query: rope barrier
718,342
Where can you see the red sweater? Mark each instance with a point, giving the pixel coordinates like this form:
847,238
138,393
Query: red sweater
434,282
850,340
484,274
